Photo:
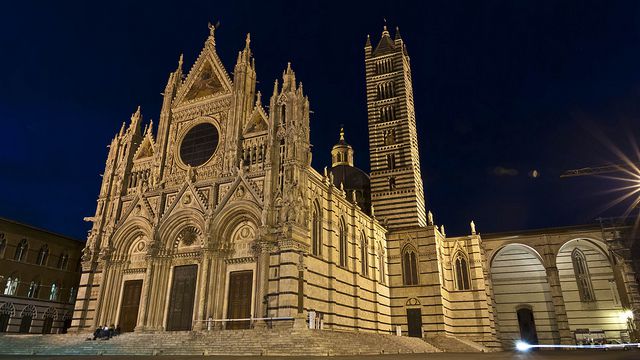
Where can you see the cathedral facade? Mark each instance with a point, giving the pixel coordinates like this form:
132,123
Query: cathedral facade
218,218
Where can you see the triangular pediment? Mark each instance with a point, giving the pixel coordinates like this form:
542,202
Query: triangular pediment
145,150
138,207
207,78
241,189
187,198
257,122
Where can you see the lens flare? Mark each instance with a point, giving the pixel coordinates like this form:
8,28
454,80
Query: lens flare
522,346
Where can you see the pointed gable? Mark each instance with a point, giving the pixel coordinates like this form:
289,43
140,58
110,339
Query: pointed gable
207,77
257,122
386,45
145,150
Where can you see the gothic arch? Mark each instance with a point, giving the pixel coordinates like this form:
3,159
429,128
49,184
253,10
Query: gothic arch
50,313
8,309
591,243
316,228
29,310
410,271
461,270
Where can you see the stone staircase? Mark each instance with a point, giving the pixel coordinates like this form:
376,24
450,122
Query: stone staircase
276,342
454,344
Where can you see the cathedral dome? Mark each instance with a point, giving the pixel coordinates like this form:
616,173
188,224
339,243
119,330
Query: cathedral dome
351,178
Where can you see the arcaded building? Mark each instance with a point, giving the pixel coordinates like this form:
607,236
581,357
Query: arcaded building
218,215
39,278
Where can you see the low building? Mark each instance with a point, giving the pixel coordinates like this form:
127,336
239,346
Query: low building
39,277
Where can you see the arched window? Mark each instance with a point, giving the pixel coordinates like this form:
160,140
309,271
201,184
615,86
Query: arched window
43,254
381,262
3,244
461,271
11,285
342,243
583,279
410,266
62,261
34,289
72,295
364,254
316,230
53,295
21,250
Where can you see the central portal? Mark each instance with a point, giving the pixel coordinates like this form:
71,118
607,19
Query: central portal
239,303
183,291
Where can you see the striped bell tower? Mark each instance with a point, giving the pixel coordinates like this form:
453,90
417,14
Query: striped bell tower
396,182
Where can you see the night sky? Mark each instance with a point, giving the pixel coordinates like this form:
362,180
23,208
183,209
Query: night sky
501,88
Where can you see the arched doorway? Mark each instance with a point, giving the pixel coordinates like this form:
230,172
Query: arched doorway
527,324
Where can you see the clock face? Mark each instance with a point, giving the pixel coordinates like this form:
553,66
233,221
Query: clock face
199,144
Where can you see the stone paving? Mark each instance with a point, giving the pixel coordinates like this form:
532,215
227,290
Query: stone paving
540,355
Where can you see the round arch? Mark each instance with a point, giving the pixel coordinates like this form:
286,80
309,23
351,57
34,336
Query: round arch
176,222
505,247
128,233
225,222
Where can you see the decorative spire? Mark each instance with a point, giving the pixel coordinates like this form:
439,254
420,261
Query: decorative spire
397,37
247,41
368,43
212,32
258,98
342,133
180,61
385,31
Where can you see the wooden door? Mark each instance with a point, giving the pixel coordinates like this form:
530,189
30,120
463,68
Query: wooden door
414,322
47,325
130,305
239,303
527,326
183,292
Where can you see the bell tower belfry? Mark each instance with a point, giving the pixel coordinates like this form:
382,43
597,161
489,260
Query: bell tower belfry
396,182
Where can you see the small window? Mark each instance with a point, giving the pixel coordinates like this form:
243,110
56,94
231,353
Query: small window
3,245
391,161
392,183
364,254
43,254
21,250
382,266
11,286
583,279
72,295
53,295
410,266
34,288
63,261
342,241
316,231
461,272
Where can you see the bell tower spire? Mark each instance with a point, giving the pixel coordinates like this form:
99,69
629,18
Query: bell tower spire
396,180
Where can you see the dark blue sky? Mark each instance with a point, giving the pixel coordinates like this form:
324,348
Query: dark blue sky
511,85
